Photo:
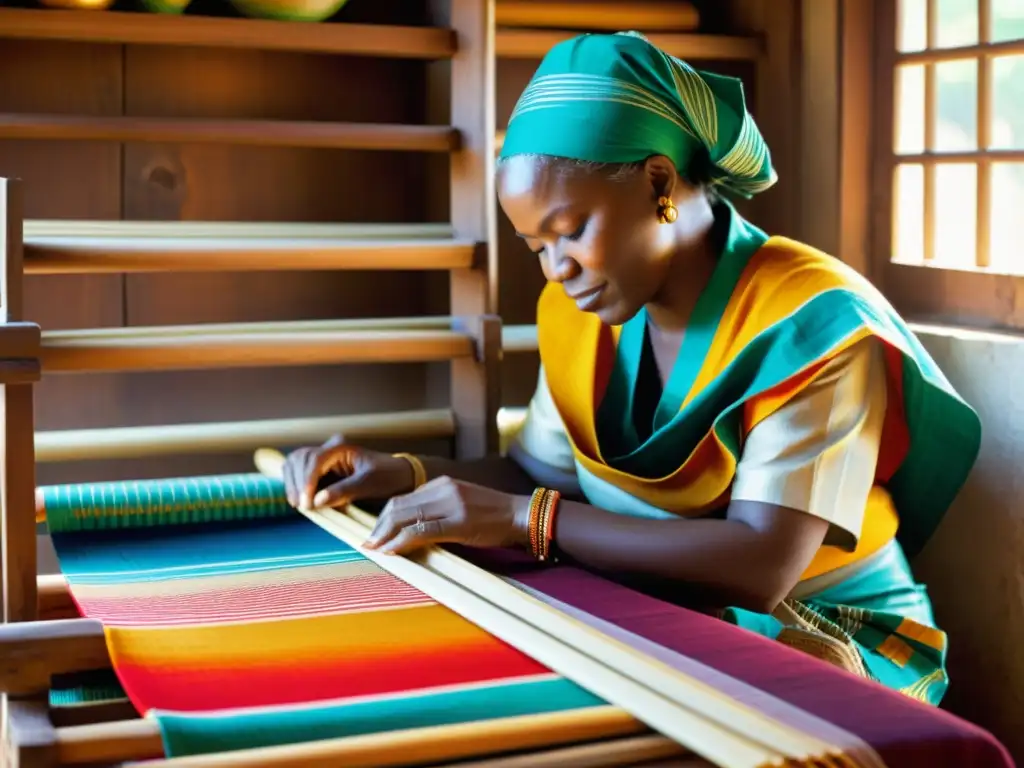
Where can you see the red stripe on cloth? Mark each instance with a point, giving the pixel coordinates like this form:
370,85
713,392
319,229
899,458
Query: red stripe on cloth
266,601
401,669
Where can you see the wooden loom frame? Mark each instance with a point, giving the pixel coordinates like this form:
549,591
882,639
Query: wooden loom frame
472,342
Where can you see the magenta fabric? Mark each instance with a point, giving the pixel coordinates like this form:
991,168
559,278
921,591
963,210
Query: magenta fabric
904,732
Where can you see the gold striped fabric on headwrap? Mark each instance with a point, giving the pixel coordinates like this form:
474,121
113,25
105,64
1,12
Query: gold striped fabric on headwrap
619,99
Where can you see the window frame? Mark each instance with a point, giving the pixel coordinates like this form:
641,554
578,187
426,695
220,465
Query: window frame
923,292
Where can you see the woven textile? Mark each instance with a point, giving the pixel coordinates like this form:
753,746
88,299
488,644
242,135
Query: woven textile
282,630
267,630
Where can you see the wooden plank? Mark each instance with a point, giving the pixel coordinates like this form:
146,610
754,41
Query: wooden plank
17,473
205,31
535,43
105,255
32,652
474,293
31,737
819,125
213,350
605,16
856,93
227,437
17,462
260,133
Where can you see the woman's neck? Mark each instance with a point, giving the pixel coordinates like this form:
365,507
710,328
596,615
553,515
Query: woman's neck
689,271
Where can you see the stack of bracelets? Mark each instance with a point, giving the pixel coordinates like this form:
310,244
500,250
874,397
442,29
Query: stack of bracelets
543,507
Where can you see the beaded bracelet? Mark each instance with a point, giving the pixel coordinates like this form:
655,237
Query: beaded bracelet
419,472
543,508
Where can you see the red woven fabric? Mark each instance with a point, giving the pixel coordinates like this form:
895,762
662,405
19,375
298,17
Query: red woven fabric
905,733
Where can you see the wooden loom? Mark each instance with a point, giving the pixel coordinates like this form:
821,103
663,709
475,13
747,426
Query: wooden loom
35,651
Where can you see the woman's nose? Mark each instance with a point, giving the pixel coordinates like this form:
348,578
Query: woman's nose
560,266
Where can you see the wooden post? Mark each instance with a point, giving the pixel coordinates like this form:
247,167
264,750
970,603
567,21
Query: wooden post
30,738
473,293
477,382
17,451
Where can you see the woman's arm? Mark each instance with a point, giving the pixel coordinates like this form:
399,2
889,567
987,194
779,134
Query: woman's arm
518,473
803,479
751,559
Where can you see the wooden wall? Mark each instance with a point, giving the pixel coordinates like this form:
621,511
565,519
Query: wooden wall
103,180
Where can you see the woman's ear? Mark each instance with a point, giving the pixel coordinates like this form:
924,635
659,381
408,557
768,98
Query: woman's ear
662,175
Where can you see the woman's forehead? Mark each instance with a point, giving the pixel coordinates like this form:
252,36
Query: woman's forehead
546,181
527,175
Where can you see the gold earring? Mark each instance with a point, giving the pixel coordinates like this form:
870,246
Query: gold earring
667,212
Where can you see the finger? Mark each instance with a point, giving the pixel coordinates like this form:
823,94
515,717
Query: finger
334,441
413,537
290,475
345,491
400,512
318,462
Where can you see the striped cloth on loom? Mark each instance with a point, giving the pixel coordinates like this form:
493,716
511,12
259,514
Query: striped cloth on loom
237,623
151,586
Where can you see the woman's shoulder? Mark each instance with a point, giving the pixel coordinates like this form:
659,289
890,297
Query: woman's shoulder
788,262
786,277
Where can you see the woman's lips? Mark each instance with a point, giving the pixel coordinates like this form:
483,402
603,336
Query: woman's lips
587,300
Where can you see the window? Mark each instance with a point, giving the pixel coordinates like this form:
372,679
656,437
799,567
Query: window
950,159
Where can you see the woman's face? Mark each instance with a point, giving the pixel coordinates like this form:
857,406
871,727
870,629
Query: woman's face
601,238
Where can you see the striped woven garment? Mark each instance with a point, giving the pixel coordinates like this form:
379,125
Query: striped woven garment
237,623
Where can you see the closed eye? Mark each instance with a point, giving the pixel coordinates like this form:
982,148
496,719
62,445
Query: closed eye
579,232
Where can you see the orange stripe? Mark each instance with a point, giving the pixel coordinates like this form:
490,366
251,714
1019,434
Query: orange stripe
253,643
933,638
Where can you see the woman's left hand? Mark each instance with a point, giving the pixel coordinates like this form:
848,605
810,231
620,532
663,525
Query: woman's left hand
450,511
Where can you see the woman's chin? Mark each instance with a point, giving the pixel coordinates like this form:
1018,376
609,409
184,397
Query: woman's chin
614,313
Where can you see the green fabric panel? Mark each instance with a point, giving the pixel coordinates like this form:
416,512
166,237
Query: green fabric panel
177,501
865,611
615,423
190,735
945,432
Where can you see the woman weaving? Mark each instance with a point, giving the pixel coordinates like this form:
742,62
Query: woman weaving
719,413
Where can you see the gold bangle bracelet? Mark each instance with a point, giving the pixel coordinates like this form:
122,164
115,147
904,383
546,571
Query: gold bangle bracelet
419,472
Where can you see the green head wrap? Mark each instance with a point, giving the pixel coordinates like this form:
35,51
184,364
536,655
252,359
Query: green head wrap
618,99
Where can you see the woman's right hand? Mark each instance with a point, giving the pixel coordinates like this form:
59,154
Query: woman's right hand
355,474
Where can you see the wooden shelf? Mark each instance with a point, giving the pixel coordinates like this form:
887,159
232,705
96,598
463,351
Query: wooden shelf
160,29
534,44
238,436
256,345
86,247
605,15
265,133
519,338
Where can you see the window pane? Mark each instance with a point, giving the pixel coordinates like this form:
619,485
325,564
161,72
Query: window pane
910,109
912,25
1007,250
957,23
908,226
956,214
1007,20
1008,102
956,106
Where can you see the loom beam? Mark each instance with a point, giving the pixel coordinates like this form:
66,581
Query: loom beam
32,653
